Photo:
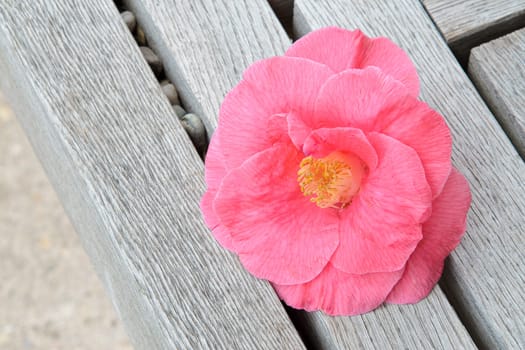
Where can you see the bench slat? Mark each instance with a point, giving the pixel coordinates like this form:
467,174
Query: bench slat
130,180
468,23
431,324
217,53
484,276
206,45
498,70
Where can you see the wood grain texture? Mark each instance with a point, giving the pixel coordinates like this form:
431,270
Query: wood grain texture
206,45
485,273
468,23
235,47
498,70
388,327
130,180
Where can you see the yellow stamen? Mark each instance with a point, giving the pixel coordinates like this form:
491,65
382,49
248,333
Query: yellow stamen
332,181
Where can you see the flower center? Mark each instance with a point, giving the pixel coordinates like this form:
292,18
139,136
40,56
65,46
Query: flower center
332,181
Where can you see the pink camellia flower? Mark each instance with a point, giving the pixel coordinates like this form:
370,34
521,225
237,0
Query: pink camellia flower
330,179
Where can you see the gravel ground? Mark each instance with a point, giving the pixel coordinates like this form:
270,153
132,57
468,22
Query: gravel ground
50,297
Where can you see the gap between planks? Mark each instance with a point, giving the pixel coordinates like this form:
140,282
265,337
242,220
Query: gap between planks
498,70
468,23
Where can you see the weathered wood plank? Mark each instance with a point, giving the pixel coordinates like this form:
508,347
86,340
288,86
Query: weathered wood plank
130,180
221,52
485,273
206,45
498,70
388,327
468,23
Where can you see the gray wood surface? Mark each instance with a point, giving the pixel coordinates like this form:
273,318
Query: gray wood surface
485,276
206,45
441,328
207,67
468,23
130,180
498,70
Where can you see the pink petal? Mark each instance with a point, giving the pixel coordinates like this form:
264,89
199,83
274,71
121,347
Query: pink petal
342,49
337,48
215,171
298,130
221,233
371,101
441,234
338,293
272,86
392,60
356,98
417,125
279,234
214,165
277,129
322,142
382,226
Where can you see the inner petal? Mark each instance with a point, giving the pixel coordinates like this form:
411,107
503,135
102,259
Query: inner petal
331,181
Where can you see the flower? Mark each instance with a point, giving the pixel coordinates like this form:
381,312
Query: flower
330,179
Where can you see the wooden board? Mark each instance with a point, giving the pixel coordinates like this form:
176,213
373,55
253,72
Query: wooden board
498,70
484,277
218,54
393,327
468,23
129,180
206,45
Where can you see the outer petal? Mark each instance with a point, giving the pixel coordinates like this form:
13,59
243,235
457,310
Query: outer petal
219,231
382,226
215,171
338,293
372,101
339,49
342,49
441,234
416,124
269,87
356,98
214,165
278,233
322,142
392,60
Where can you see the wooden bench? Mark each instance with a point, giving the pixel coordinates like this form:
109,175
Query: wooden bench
469,23
131,180
498,70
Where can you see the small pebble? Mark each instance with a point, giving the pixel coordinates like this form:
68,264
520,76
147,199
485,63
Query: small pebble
153,60
179,111
129,18
196,131
171,93
140,36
